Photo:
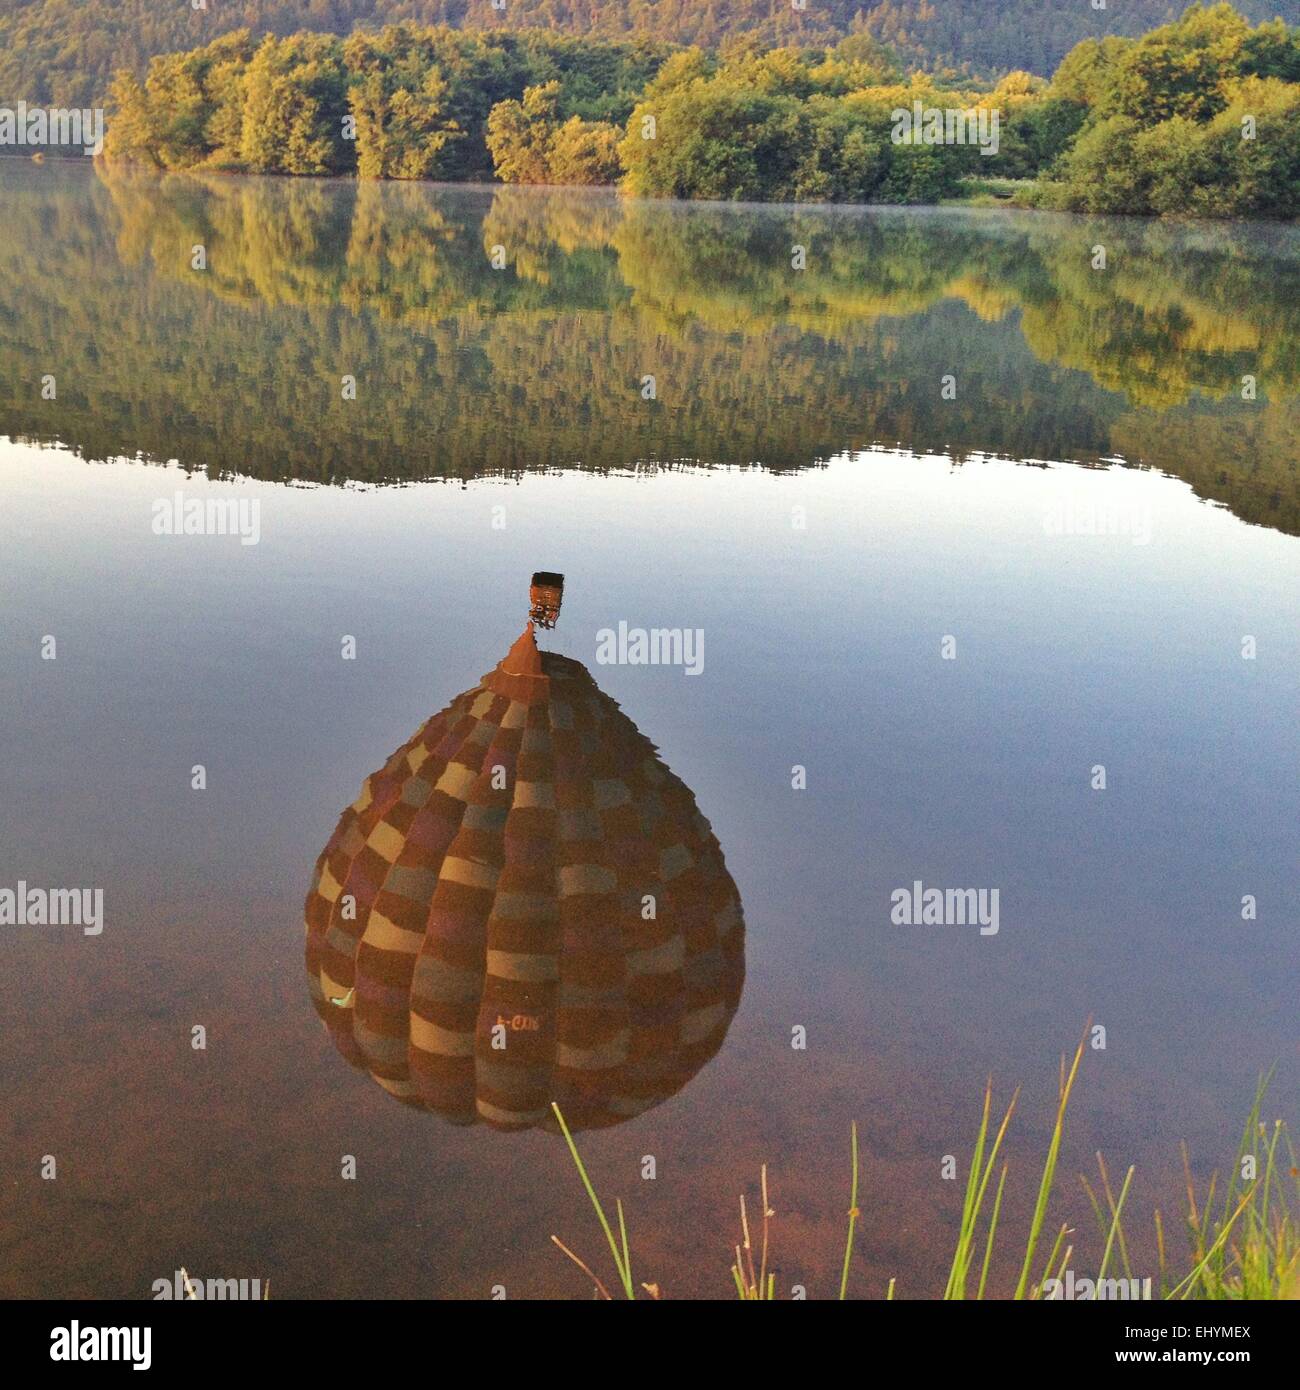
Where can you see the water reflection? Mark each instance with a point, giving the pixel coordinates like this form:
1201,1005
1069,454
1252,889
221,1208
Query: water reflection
525,905
1181,352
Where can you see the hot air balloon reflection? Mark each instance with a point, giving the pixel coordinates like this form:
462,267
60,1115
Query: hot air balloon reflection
525,905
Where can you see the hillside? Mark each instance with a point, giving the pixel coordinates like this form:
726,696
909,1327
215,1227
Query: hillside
64,52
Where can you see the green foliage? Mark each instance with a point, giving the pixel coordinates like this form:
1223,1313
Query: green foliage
713,139
402,101
294,100
1103,172
846,158
1198,118
519,135
584,152
1180,69
133,135
419,98
1272,50
531,144
785,125
1035,135
66,52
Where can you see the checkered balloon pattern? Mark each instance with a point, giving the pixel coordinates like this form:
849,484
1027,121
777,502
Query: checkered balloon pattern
525,906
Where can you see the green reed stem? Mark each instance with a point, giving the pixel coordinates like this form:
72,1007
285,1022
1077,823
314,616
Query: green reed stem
622,1265
853,1216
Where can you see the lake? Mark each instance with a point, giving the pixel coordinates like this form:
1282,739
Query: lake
974,512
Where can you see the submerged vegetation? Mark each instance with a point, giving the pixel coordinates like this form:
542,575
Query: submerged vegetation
1200,116
1242,1241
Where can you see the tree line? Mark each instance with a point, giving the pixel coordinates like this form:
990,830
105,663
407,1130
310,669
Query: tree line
404,102
1199,116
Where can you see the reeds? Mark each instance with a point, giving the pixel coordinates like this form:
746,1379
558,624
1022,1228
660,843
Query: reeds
754,1285
1242,1244
1248,1246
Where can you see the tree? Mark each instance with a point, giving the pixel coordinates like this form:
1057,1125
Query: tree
519,135
1179,69
295,98
131,135
585,152
530,144
404,103
1101,173
713,139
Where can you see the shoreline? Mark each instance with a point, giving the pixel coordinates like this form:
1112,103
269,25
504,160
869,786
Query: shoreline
981,200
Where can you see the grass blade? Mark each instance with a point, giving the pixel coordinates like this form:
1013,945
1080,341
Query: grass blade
853,1216
624,1273
1049,1168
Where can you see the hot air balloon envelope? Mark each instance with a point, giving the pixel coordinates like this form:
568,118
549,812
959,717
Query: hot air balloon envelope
523,906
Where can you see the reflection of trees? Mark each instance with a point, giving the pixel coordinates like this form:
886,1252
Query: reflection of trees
1218,309
1245,458
264,242
1212,312
465,369
732,270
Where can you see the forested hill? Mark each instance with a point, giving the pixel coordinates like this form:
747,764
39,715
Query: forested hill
64,52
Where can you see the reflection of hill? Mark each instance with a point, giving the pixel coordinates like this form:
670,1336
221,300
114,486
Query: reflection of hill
464,369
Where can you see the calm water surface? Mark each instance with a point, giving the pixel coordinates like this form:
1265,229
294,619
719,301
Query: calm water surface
801,492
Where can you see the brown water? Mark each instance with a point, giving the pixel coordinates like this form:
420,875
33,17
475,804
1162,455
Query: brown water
822,649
